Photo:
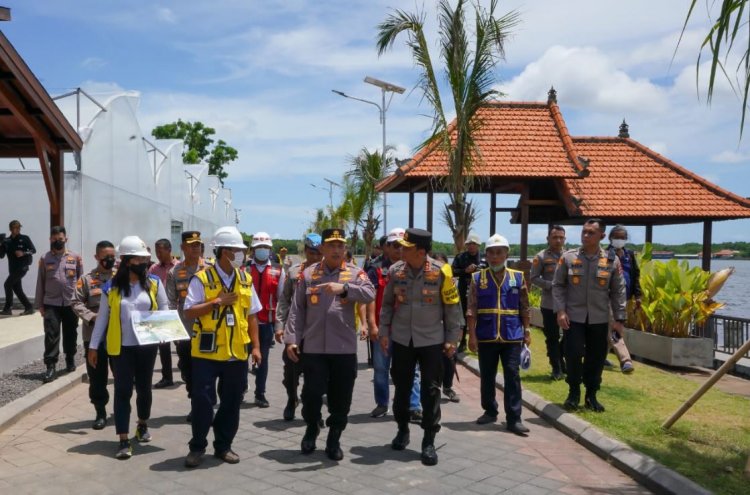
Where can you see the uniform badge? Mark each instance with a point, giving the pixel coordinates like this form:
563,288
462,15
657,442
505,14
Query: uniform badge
576,280
400,298
71,273
314,299
535,262
602,282
183,294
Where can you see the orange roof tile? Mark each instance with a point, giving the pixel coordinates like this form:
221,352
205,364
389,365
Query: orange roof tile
629,180
516,139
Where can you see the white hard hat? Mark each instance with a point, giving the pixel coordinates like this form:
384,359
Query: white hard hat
525,361
228,237
497,241
395,234
132,245
472,237
261,239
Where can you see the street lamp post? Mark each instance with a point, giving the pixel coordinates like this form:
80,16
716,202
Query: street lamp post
330,190
382,108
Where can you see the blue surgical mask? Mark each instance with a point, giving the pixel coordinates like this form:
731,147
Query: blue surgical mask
497,268
261,254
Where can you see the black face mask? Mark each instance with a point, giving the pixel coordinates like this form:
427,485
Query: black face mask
139,269
108,262
57,245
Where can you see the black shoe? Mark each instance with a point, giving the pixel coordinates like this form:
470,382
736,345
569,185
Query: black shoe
289,410
163,383
415,417
518,428
429,456
28,311
260,401
591,403
6,312
101,418
451,394
333,445
379,411
486,419
572,401
194,459
49,375
308,441
70,365
401,439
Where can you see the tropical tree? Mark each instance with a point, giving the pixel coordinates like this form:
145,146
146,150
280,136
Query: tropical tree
729,26
197,145
366,170
470,73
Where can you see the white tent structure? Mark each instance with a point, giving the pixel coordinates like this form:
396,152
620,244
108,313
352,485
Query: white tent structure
123,183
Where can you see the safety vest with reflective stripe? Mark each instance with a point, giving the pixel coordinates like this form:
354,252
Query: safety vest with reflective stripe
498,307
231,341
114,327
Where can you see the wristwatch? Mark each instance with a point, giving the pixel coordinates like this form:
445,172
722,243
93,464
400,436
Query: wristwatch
346,291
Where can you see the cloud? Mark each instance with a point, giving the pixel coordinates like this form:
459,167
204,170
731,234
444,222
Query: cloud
93,63
165,14
728,156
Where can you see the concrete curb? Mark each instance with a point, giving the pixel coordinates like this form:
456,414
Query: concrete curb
12,412
638,466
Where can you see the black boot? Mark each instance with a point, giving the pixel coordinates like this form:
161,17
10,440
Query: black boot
101,418
592,403
308,441
49,375
70,363
333,447
429,456
402,438
291,405
574,398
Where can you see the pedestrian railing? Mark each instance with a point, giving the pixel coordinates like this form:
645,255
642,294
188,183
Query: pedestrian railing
728,333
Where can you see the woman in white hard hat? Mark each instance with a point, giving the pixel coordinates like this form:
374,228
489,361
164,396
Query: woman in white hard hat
131,289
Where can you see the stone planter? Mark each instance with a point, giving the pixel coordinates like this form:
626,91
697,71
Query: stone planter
536,318
691,351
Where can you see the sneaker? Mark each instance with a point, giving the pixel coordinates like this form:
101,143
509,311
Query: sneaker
486,419
415,417
142,434
451,394
124,450
627,368
228,456
379,412
194,459
163,383
260,401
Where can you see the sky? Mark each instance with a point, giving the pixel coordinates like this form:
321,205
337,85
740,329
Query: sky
261,73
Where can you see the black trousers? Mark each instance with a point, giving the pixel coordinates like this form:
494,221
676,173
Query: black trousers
98,376
333,375
430,359
13,284
185,364
165,356
226,421
134,364
552,339
449,370
509,354
56,317
585,351
290,381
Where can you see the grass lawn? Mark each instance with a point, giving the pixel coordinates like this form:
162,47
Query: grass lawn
710,444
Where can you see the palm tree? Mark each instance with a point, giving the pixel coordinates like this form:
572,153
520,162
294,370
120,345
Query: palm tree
729,26
470,73
366,170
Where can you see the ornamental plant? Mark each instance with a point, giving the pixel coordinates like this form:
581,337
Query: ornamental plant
675,296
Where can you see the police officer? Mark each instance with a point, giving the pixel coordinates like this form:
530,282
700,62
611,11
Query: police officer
85,304
292,370
59,271
222,300
19,249
542,273
464,264
321,331
163,252
178,279
497,317
268,281
421,314
588,282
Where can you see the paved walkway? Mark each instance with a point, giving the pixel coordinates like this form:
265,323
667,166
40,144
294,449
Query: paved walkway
54,450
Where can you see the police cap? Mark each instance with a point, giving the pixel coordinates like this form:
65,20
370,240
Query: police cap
191,236
422,239
331,235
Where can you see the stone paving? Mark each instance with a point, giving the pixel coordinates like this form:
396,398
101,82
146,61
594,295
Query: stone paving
54,450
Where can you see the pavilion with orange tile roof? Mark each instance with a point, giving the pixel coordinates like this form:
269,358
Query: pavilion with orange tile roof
526,150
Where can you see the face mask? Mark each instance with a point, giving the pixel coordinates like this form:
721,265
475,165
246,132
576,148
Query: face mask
108,262
497,268
261,254
619,243
57,245
139,269
237,259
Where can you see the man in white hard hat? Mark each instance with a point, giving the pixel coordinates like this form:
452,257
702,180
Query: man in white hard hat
268,281
497,315
224,305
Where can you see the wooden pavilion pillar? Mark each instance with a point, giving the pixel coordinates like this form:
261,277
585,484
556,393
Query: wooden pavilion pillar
525,222
429,209
649,233
411,209
706,261
57,211
493,213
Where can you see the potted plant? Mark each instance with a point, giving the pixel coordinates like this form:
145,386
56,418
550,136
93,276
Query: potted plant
675,296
